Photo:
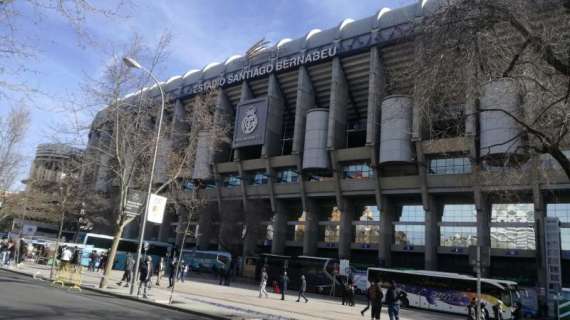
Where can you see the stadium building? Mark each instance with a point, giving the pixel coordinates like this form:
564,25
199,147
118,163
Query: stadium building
328,159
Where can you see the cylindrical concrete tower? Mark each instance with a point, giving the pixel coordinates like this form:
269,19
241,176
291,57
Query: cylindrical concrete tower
497,128
202,168
315,156
396,130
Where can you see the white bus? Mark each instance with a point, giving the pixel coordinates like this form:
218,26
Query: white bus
448,292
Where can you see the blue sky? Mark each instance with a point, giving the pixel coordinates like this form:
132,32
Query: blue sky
203,32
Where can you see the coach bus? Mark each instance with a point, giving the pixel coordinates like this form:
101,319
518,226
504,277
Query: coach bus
206,261
101,242
318,271
449,292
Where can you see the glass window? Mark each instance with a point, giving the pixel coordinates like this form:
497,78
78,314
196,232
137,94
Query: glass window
458,236
370,213
513,238
459,213
232,181
331,233
458,165
559,210
288,175
360,170
367,234
410,235
412,214
257,178
513,212
565,239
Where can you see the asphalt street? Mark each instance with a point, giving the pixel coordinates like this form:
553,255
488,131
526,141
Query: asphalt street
24,298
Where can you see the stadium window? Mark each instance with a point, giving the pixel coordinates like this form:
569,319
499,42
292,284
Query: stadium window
287,175
357,170
231,181
562,212
449,165
257,178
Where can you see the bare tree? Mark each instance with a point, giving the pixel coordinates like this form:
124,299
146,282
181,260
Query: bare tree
464,44
18,50
13,129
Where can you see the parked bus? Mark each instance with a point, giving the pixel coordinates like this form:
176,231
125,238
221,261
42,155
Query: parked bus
318,271
206,261
101,242
448,292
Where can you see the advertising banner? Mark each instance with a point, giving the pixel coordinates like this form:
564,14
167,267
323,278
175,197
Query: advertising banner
156,208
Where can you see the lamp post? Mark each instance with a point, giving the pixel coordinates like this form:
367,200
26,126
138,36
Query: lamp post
132,63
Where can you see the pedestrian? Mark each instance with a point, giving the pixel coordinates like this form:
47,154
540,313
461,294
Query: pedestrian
11,251
376,296
284,282
263,283
172,274
393,299
472,309
3,251
517,312
182,271
66,256
128,271
302,289
76,259
159,270
92,261
497,311
145,273
102,262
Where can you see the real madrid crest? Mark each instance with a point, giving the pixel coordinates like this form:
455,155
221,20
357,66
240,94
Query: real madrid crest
249,121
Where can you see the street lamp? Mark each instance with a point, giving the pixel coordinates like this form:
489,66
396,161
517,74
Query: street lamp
132,63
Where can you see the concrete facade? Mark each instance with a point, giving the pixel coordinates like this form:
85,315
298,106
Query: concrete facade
420,213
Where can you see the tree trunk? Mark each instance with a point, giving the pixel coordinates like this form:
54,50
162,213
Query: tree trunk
561,158
111,256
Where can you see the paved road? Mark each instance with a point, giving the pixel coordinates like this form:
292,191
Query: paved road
24,298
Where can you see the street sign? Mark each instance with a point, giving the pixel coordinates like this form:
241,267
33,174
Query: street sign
156,208
135,203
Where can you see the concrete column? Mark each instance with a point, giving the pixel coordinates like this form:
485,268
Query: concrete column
540,236
311,238
276,105
376,93
223,117
164,227
338,105
256,213
305,101
205,226
433,214
182,217
483,207
279,228
346,218
387,217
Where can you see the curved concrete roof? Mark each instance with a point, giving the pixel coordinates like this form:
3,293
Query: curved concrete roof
348,28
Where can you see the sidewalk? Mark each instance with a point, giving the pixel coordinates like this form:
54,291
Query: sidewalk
206,297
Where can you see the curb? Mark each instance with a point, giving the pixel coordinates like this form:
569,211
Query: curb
118,295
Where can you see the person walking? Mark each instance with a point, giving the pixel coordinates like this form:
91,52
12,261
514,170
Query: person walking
76,259
145,273
92,261
302,289
263,284
102,262
284,282
159,270
66,256
393,298
181,271
128,271
376,297
3,251
172,274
